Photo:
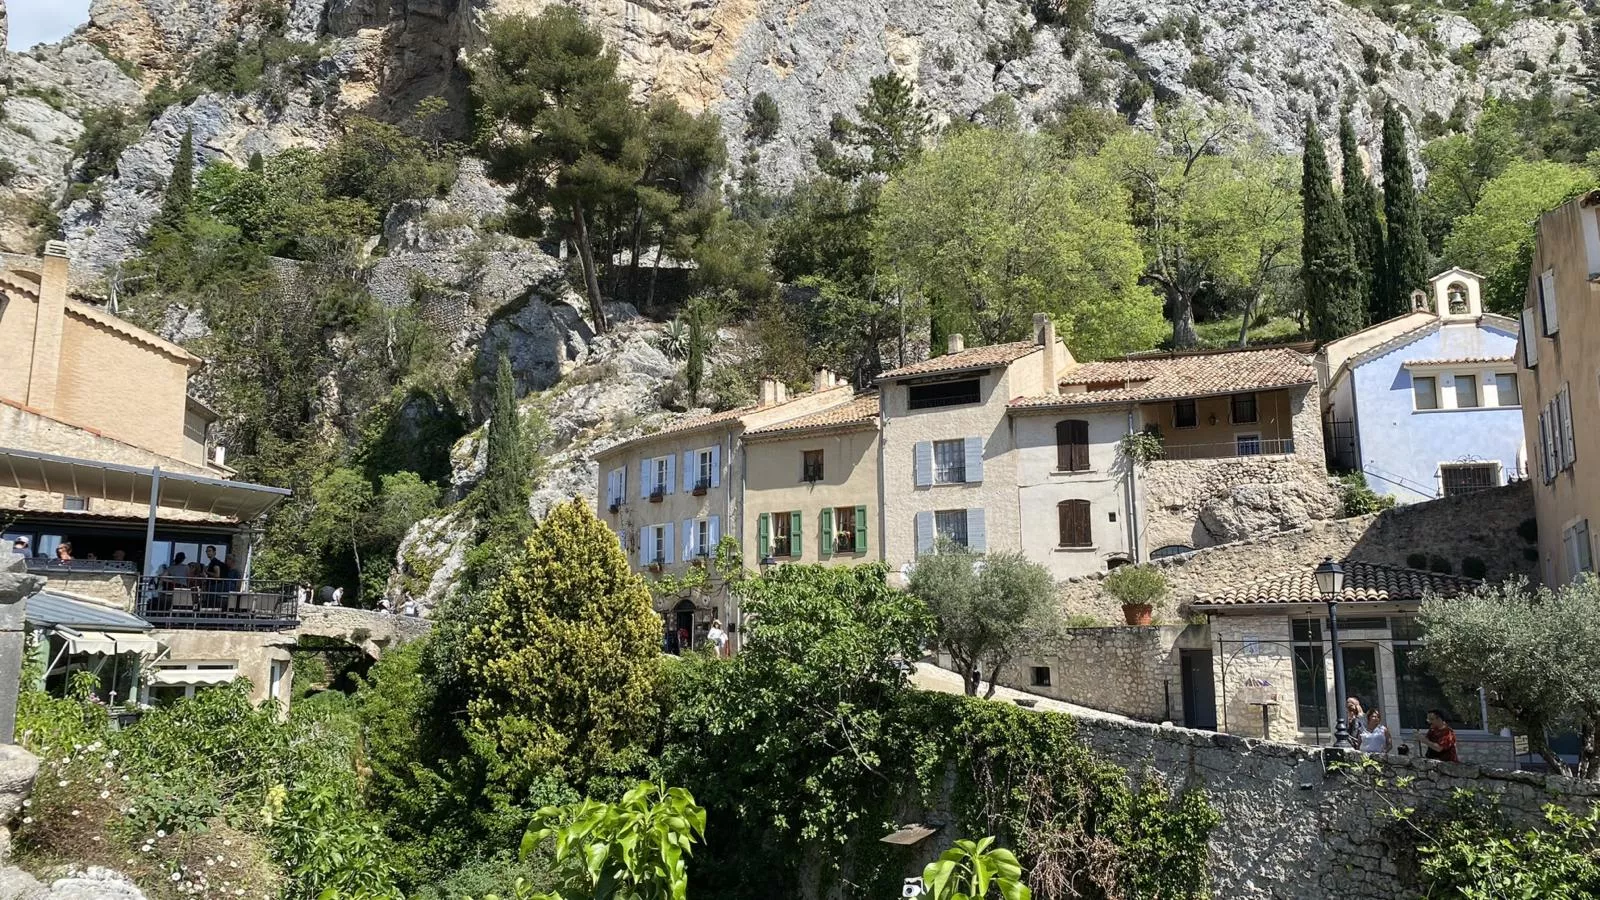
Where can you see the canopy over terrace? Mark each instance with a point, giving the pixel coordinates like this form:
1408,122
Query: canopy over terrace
238,500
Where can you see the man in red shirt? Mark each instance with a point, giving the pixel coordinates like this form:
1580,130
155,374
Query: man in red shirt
1440,740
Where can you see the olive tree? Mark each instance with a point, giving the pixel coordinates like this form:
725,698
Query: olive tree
985,604
1534,652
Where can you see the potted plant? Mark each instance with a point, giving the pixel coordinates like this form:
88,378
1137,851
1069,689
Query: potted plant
1138,588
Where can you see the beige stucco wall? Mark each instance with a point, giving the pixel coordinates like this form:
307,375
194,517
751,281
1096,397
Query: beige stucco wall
252,651
18,312
126,389
773,484
1570,358
677,504
1041,486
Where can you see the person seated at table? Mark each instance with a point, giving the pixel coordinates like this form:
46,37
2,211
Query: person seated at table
64,551
119,555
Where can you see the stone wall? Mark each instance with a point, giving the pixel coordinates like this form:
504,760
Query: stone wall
1481,526
1291,828
1123,670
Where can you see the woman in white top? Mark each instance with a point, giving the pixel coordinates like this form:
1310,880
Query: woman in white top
717,638
1376,739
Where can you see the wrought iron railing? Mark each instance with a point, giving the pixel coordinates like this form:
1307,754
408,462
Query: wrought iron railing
223,604
44,565
1240,447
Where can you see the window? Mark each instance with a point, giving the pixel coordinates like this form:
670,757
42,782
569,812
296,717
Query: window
1185,414
1547,302
1569,447
782,535
1310,675
1073,516
1505,389
1247,445
702,470
946,393
949,462
1072,446
1244,409
655,544
660,475
1466,391
1417,690
951,525
1425,392
1456,297
1464,479
844,529
617,487
1041,676
1580,556
811,466
75,504
702,538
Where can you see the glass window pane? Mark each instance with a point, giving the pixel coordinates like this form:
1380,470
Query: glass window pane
1419,692
1310,688
949,462
1425,390
1307,631
951,524
1466,391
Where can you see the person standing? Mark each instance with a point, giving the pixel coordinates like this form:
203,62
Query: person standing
717,638
1355,721
1439,742
1376,738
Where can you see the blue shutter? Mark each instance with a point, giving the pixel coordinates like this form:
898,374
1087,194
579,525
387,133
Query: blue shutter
716,465
644,479
924,533
690,471
977,534
688,539
644,544
974,459
666,543
715,534
924,463
672,471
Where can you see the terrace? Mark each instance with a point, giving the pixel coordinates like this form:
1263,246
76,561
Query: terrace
221,604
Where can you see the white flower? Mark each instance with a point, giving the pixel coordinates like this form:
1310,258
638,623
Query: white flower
227,842
161,832
104,794
145,849
61,783
177,876
27,820
27,803
75,813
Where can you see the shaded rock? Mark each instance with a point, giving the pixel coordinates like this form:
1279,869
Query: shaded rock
18,769
94,883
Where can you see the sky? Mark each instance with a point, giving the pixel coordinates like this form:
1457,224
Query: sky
43,21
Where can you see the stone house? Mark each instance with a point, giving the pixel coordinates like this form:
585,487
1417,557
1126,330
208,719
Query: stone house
107,475
1426,405
1558,371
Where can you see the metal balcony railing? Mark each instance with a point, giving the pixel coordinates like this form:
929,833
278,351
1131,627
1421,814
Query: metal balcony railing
1240,447
222,604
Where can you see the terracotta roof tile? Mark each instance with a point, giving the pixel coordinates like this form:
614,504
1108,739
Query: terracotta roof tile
1143,379
972,358
863,410
1363,583
1460,360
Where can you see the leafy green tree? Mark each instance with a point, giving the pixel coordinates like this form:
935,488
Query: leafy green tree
762,123
1494,237
985,605
358,527
1334,304
969,869
382,164
180,187
1531,649
991,227
107,132
501,497
558,125
886,135
1361,217
1405,248
1460,166
674,202
562,654
1476,854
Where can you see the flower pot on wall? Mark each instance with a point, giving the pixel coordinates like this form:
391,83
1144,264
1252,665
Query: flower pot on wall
1137,613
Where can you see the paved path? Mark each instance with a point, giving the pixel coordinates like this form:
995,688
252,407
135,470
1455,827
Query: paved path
930,677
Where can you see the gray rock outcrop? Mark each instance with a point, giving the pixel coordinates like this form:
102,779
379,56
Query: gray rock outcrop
93,883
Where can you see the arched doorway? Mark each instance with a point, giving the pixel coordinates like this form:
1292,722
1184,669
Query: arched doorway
681,622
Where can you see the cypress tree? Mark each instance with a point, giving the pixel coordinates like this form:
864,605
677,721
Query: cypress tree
1406,249
1334,306
502,495
180,187
1361,216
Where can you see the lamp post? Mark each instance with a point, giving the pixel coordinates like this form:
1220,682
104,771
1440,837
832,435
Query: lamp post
1330,584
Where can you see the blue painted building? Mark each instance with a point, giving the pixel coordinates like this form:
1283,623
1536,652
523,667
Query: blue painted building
1426,404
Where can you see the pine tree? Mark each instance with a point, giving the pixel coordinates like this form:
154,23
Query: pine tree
180,187
1361,216
1334,306
502,495
1405,249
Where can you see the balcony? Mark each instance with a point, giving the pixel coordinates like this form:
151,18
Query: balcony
220,604
1235,449
702,486
658,495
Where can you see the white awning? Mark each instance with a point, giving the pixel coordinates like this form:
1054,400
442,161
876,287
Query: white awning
30,471
183,677
89,642
142,644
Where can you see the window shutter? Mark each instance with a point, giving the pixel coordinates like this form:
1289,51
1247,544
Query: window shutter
689,532
924,463
645,490
666,543
672,471
1547,300
644,547
974,459
690,471
1064,523
714,532
622,484
861,529
1530,340
1569,446
826,547
1064,446
716,465
796,548
1072,445
763,536
924,533
977,535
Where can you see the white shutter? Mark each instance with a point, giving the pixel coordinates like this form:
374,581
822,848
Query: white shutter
1569,446
924,533
974,459
923,457
644,546
672,471
1530,340
1544,449
688,539
666,542
690,471
714,532
977,533
716,465
644,479
1547,301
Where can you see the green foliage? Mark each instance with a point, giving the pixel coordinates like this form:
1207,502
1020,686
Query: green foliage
356,527
1405,249
970,868
106,133
1335,305
991,227
1140,584
1473,855
764,118
1529,648
180,186
1361,217
501,496
1142,447
1356,498
382,165
560,658
886,135
984,605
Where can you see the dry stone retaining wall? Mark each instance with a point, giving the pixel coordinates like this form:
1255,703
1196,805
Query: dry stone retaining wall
1127,671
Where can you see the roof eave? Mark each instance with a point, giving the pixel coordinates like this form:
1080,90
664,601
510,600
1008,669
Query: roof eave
756,437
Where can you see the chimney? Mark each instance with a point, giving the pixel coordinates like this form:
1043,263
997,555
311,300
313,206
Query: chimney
957,344
51,319
824,380
773,391
1044,333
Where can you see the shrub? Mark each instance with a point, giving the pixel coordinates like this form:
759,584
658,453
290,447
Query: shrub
1356,498
1472,854
764,118
1141,584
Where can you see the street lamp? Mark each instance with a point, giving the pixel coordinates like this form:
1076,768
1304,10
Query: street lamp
1330,584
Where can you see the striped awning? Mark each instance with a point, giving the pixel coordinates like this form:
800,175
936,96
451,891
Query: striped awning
32,471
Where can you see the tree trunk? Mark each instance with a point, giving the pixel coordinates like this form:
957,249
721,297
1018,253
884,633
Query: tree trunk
1183,333
633,258
1249,313
591,280
655,269
1588,758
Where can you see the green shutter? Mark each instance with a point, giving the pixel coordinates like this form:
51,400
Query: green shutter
795,547
762,527
826,548
861,529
